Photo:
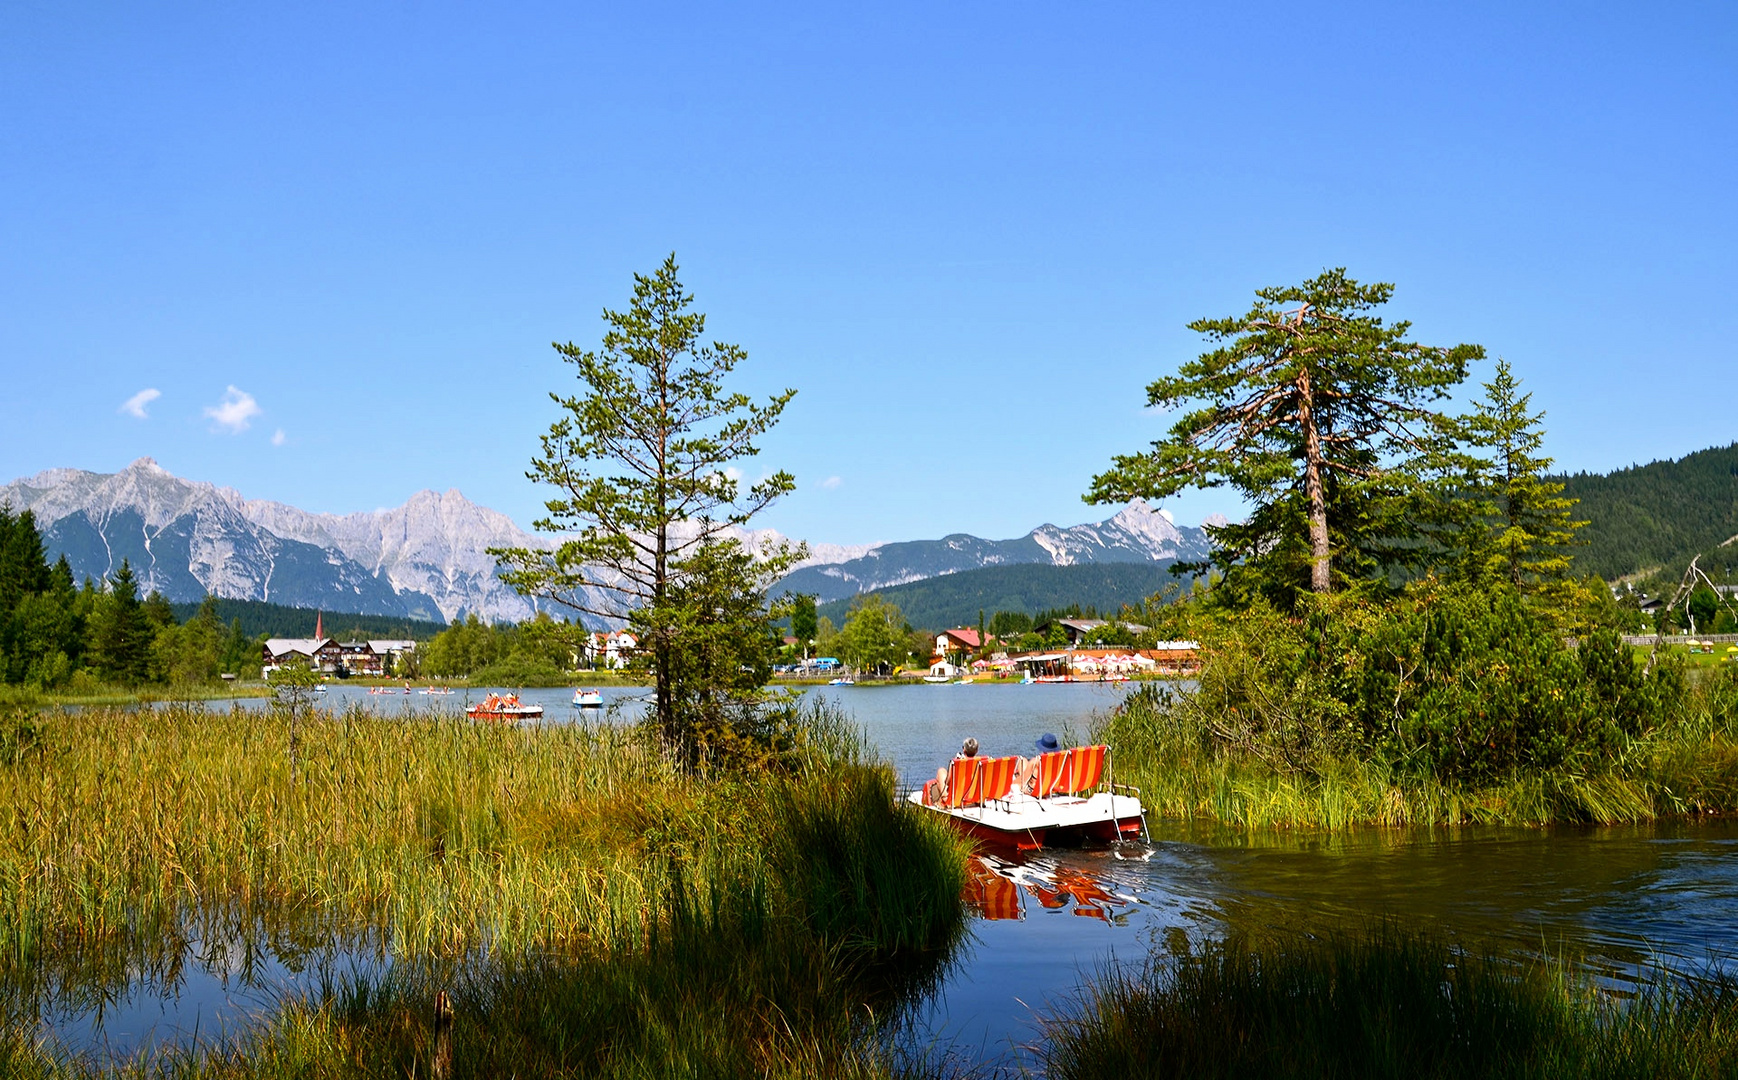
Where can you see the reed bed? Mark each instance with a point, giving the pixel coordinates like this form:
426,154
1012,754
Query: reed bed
1686,765
588,908
1388,1005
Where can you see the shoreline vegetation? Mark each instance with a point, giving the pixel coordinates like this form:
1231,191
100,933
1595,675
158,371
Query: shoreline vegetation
1448,705
1388,1004
584,902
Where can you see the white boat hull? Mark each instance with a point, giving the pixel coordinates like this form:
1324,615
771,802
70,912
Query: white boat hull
1023,822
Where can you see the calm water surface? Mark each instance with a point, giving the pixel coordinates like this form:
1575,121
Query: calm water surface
1621,897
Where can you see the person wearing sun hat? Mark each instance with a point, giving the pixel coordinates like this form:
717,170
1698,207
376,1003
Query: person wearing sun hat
1026,770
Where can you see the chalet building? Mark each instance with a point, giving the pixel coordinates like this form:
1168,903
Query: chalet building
612,650
957,646
1078,630
321,654
391,650
359,658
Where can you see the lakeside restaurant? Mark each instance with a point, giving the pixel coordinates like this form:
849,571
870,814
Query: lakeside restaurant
1166,658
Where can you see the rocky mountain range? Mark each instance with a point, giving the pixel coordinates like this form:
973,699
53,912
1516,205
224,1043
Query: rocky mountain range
428,558
1137,533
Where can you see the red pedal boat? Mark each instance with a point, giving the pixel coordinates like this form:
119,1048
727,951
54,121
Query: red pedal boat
1069,802
504,708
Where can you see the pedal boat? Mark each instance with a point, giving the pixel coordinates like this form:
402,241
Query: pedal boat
504,708
587,699
1072,802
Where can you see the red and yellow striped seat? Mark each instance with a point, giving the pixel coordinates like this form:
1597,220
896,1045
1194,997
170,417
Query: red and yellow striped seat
1086,769
965,782
999,777
1052,771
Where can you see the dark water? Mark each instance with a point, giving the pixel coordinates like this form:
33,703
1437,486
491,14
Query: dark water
1621,898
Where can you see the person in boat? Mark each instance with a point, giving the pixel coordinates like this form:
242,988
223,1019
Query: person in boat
968,749
1026,770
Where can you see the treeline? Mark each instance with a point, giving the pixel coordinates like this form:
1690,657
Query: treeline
957,599
55,633
540,651
1658,514
260,618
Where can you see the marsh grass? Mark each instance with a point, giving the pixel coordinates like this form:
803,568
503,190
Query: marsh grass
589,908
1388,1005
1685,765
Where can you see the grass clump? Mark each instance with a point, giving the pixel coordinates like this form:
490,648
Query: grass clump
586,907
1388,1005
1442,707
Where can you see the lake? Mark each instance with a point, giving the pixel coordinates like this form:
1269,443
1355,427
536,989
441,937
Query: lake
1619,897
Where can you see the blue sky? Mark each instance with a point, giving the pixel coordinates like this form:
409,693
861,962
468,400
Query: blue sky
968,234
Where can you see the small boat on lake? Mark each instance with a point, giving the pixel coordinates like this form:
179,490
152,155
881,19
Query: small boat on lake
504,709
588,698
1069,801
843,681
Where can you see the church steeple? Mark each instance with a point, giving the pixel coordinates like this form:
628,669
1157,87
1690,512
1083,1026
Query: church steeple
320,626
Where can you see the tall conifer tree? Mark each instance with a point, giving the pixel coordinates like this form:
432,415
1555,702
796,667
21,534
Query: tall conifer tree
1308,407
641,462
1527,525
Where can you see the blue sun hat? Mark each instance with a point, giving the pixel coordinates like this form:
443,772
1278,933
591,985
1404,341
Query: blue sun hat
1048,743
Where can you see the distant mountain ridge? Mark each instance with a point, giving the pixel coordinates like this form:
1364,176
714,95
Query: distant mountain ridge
1136,534
428,558
186,538
1658,515
958,599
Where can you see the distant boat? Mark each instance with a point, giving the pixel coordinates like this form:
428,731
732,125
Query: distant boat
504,708
588,698
937,678
435,691
320,689
842,681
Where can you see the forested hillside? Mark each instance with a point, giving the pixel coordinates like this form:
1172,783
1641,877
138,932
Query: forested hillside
1656,515
261,619
957,599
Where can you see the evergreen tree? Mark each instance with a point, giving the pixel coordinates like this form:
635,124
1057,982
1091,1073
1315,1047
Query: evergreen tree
641,462
122,634
1523,525
1309,407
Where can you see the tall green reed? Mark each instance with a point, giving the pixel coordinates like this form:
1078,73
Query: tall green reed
1389,1004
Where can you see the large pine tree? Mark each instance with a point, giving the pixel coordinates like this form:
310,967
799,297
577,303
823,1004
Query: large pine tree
1308,407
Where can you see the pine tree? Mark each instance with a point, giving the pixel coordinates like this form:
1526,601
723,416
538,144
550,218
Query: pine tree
122,633
1308,407
1527,526
641,462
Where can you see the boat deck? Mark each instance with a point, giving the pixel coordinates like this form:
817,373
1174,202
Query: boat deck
1025,822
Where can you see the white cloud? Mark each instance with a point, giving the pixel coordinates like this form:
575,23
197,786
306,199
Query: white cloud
830,483
135,405
235,411
278,437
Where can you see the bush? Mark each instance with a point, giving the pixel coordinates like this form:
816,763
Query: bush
1448,682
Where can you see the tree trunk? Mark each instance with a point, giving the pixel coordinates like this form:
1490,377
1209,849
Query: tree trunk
1321,565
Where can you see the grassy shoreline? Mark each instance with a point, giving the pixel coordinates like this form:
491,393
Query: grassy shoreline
587,907
1685,767
1388,1004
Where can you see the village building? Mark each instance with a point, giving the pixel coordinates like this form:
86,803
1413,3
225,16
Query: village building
359,658
322,654
1078,631
612,650
957,646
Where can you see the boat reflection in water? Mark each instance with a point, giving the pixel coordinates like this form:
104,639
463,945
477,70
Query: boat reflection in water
996,889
